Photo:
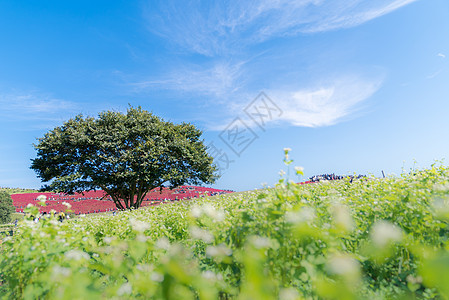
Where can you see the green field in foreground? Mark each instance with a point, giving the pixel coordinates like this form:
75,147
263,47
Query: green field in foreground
370,239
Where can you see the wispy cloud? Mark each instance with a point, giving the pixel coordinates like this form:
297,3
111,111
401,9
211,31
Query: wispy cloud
32,103
324,105
34,106
218,80
348,14
439,68
226,33
433,75
220,28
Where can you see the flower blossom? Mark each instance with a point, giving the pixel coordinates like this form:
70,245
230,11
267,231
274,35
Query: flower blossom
66,204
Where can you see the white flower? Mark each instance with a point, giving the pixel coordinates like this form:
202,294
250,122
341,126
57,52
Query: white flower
441,187
163,243
220,250
281,173
108,239
384,233
76,254
260,242
158,277
263,200
66,204
305,215
196,212
299,170
211,275
220,216
55,223
42,198
30,205
139,225
441,207
211,212
142,238
414,280
287,150
342,217
343,265
61,271
144,268
125,289
288,294
201,234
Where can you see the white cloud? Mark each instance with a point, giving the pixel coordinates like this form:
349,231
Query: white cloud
224,29
353,13
218,80
441,55
30,103
325,105
304,104
34,106
433,75
219,28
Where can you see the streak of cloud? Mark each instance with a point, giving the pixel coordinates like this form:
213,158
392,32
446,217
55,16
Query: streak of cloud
221,28
40,107
225,33
218,80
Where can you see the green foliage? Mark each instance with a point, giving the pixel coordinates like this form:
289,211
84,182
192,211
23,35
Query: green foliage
126,155
16,216
6,207
369,239
17,190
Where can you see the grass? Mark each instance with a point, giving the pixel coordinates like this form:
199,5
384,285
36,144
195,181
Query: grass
18,190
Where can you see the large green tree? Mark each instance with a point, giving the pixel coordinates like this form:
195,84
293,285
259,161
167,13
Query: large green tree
126,155
6,207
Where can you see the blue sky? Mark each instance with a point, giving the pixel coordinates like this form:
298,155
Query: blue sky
352,85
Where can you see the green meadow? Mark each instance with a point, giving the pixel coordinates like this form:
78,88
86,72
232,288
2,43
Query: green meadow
367,239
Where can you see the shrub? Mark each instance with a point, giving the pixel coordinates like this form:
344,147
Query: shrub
6,207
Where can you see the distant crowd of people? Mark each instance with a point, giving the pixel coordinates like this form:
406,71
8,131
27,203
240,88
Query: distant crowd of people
332,176
61,216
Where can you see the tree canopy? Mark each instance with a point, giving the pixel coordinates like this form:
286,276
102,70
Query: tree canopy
6,207
126,155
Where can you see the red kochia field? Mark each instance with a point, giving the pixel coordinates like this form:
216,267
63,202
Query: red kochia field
98,201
